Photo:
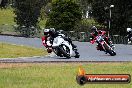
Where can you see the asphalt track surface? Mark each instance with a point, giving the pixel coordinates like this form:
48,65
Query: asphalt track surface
88,52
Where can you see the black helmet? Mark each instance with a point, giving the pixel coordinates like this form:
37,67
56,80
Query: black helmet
48,32
93,29
52,31
60,31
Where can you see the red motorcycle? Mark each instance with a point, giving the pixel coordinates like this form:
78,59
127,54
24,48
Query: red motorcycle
103,45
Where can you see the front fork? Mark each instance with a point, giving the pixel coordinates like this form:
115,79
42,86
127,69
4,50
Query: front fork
102,44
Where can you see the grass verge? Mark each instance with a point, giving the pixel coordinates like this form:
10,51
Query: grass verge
53,75
14,51
7,16
7,24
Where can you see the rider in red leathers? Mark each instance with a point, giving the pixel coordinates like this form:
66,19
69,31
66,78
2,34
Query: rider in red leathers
45,39
95,32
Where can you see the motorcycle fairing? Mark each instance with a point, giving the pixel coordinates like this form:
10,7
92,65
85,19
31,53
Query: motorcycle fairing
60,41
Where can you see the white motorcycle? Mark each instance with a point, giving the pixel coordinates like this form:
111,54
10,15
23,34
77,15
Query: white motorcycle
63,48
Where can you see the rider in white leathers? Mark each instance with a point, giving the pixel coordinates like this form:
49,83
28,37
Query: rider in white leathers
51,34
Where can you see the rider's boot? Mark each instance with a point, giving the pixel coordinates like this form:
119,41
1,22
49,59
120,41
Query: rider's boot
111,45
76,51
77,54
74,46
70,41
98,47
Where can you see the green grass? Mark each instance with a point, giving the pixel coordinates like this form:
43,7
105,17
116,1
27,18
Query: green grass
53,75
7,16
7,21
13,51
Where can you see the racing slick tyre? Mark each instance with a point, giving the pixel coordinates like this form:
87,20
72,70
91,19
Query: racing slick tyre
65,51
108,50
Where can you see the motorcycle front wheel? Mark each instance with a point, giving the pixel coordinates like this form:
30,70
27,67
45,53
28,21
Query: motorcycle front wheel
110,51
65,51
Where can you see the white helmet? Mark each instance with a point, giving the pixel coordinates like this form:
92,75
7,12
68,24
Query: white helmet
129,29
46,32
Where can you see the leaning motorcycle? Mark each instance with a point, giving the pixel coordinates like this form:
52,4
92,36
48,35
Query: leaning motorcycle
60,47
63,48
104,46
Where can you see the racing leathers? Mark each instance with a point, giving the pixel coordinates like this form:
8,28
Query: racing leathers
48,40
103,33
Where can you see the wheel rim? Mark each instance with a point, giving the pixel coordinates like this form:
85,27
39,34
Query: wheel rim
65,48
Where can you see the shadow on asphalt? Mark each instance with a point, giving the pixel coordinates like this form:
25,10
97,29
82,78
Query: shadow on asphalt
61,58
57,57
106,55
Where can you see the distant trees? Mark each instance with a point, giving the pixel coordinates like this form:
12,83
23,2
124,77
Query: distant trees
3,3
27,13
64,15
67,14
121,14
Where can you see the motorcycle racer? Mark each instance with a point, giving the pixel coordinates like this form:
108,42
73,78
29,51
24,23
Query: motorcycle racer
95,32
50,34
